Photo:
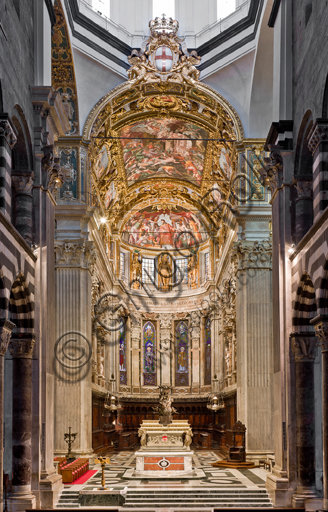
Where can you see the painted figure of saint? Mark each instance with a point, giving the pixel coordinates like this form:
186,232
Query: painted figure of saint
182,360
122,368
149,360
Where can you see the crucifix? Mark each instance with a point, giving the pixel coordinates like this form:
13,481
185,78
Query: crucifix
69,438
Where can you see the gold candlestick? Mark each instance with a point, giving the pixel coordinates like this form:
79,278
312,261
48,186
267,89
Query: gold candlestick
103,461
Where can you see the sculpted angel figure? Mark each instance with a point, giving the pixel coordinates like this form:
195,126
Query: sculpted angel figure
187,439
136,267
139,69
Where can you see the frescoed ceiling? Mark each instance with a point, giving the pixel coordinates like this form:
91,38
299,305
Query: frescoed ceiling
160,228
164,148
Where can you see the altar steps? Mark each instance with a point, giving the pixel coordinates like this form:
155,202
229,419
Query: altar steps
181,499
196,499
68,499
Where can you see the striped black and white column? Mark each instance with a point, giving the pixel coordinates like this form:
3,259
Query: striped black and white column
318,145
8,140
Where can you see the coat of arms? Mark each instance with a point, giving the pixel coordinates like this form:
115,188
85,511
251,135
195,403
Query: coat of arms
163,56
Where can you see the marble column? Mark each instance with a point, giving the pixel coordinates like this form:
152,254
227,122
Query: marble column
321,329
21,349
6,328
303,208
23,213
304,349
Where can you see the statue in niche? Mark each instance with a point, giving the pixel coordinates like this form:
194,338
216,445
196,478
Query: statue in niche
136,267
164,272
192,271
227,358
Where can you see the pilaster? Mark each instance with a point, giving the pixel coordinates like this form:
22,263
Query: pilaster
254,345
73,393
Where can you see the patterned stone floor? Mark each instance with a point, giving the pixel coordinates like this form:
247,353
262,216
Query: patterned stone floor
214,477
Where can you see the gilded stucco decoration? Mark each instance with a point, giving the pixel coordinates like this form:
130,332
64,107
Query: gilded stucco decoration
63,75
163,140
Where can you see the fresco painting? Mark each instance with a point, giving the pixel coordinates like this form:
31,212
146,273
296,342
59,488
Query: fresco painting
182,159
101,162
164,229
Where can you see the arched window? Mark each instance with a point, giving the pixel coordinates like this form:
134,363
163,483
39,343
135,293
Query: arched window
149,354
123,372
182,355
208,342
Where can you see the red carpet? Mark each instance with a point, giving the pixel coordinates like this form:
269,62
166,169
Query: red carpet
84,477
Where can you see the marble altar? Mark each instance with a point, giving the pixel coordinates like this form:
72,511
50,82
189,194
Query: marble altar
165,449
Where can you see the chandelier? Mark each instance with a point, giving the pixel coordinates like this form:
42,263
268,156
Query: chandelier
215,403
110,405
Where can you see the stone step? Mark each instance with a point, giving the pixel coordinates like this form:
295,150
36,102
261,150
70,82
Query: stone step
199,505
202,490
196,498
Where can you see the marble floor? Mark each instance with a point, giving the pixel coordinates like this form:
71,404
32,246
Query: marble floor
233,484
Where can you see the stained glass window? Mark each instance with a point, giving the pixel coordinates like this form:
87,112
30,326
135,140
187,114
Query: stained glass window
149,354
182,354
122,345
208,342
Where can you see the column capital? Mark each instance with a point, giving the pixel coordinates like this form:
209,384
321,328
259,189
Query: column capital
253,254
304,188
21,346
79,253
320,324
23,184
318,134
8,130
6,328
304,347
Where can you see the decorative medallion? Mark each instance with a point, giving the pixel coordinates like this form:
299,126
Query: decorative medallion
164,463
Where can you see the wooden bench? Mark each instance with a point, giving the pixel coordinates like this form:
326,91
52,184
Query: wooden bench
62,461
74,470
